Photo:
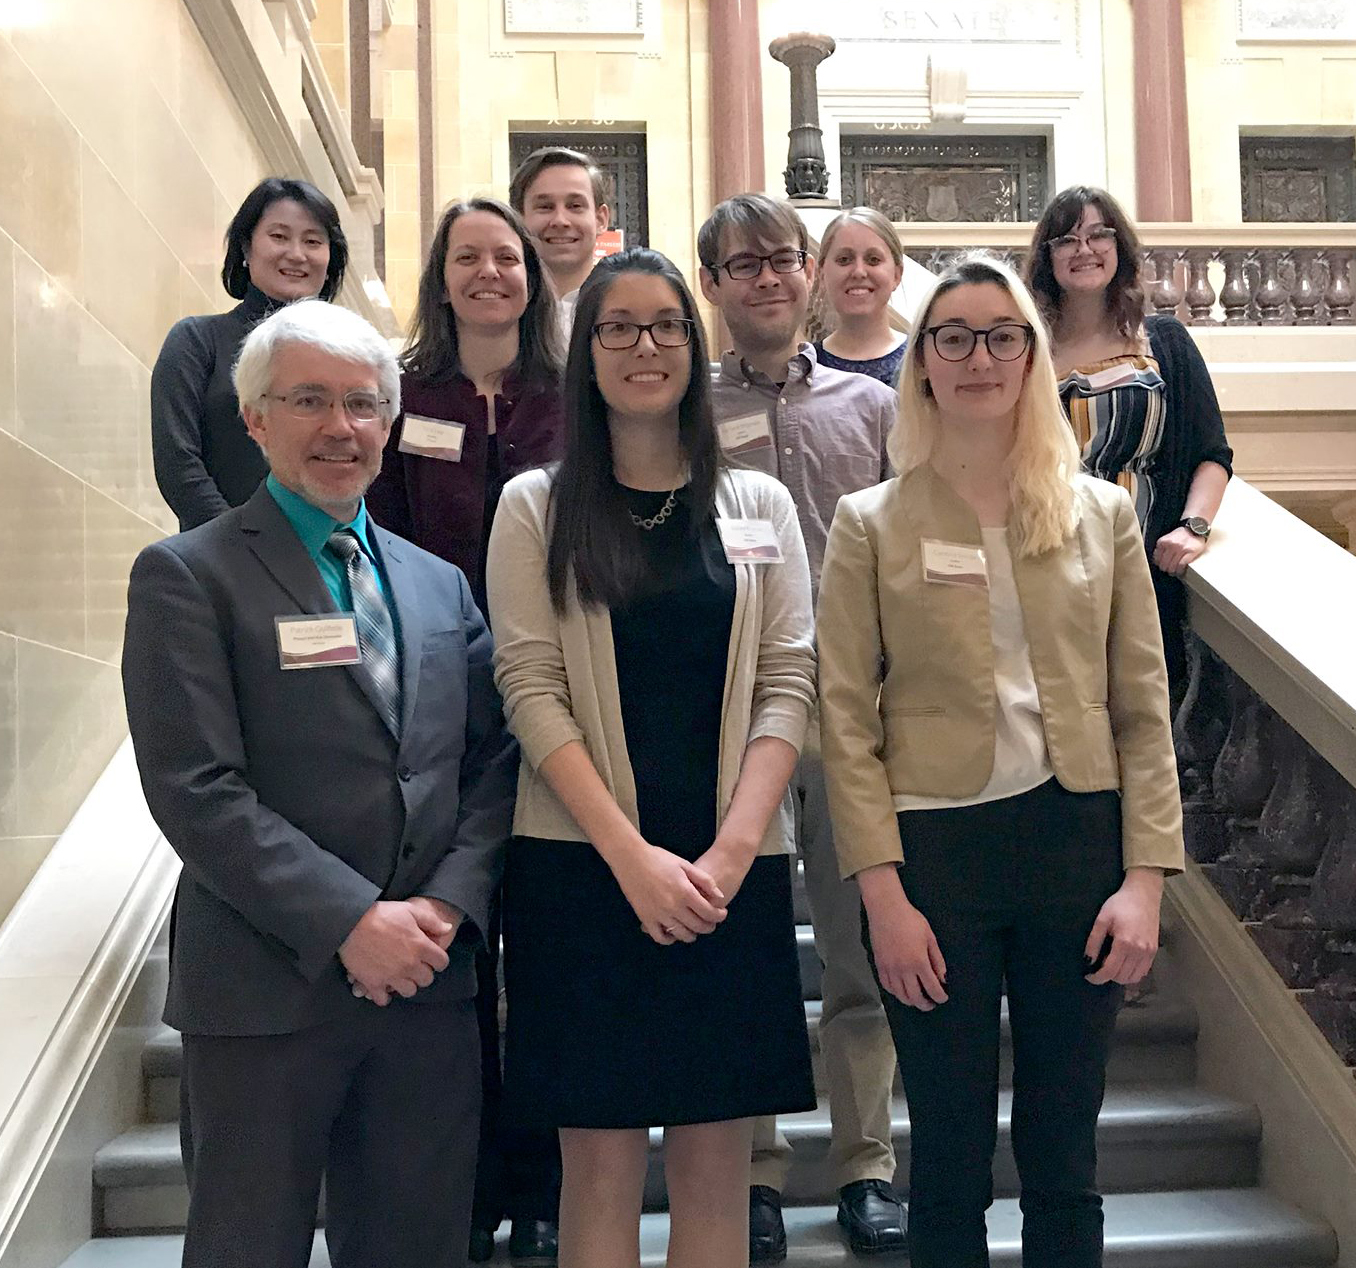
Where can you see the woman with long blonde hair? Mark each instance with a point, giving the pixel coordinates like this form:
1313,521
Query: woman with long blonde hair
1000,766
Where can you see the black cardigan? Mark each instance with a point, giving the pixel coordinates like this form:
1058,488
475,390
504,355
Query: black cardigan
1193,429
205,460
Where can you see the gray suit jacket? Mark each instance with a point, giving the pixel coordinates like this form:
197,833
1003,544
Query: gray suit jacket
289,800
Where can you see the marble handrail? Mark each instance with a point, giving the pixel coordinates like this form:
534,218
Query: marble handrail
1266,739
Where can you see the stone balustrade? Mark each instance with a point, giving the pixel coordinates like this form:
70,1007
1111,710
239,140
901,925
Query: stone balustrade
1236,275
1266,744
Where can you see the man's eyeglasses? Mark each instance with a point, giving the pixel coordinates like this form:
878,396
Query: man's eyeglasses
1100,239
742,268
1005,342
617,336
307,404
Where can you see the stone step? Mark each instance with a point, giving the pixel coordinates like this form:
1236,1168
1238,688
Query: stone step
1203,1228
1154,1044
1148,1138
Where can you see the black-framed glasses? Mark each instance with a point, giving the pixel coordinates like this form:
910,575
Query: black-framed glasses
1005,342
1101,238
617,336
742,268
308,404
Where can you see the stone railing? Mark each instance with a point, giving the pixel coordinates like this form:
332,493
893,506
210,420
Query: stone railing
1234,275
1266,738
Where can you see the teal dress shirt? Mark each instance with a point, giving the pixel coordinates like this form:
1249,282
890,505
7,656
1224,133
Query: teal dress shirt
314,526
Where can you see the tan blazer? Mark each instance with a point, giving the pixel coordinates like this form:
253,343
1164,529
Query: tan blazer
907,691
558,672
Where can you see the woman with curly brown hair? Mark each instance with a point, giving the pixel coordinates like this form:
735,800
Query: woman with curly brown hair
1136,389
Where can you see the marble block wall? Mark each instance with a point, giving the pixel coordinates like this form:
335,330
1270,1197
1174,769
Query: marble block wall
124,159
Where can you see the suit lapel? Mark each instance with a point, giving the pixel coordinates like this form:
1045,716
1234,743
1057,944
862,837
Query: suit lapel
276,545
402,589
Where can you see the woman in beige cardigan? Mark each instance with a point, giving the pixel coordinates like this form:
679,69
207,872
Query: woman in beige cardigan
659,681
1000,767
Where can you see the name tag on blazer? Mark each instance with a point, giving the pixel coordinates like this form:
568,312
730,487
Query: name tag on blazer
314,642
432,438
749,541
954,564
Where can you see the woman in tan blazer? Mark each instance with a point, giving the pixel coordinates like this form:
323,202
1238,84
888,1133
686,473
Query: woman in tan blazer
1000,766
659,681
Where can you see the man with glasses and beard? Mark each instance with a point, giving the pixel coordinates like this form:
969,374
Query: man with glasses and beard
822,432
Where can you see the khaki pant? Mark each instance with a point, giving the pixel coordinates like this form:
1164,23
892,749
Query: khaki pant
855,1042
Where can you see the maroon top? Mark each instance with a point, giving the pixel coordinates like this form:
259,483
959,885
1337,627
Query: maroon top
447,507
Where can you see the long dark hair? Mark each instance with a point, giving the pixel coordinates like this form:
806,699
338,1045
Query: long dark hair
432,353
235,273
591,533
1124,293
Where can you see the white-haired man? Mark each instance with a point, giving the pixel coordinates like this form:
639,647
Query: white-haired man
319,737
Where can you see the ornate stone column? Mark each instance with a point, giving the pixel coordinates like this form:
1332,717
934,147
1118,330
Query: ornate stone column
737,161
1162,150
807,175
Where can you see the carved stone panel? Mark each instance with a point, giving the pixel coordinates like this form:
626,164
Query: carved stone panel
1298,178
987,179
621,155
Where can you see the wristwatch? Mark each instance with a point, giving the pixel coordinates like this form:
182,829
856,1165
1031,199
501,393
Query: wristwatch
1197,525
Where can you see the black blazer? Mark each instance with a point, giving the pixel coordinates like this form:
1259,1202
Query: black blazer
290,802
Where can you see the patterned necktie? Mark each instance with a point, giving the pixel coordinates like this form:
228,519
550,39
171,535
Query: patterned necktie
376,633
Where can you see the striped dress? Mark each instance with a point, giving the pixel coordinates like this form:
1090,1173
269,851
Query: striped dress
1117,410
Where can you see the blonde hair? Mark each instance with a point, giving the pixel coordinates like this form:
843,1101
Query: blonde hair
1045,456
822,320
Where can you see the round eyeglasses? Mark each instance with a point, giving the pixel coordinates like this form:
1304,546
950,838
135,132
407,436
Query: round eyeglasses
1101,238
617,336
1005,342
307,403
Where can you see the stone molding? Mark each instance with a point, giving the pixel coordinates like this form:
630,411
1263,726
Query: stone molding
70,952
1257,1042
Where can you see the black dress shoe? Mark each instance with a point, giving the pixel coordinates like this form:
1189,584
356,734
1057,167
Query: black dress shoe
534,1243
767,1233
873,1215
482,1245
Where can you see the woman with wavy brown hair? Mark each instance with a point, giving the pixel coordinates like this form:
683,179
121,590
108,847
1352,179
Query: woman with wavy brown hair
1135,388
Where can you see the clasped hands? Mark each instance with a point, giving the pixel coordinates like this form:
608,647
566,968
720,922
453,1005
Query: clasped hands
678,901
397,947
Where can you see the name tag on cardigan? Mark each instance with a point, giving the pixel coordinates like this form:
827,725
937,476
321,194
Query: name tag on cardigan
954,564
749,541
432,438
313,642
745,434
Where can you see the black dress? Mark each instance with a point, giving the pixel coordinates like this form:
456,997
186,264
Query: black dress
606,1028
205,460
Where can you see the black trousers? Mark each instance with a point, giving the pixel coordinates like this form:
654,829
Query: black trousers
383,1103
518,1170
1011,889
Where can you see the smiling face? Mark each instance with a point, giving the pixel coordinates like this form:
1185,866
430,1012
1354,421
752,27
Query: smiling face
858,273
764,313
648,380
559,209
981,388
485,276
1090,266
288,252
330,460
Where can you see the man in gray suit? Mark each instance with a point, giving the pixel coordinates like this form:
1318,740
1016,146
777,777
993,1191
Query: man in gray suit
319,737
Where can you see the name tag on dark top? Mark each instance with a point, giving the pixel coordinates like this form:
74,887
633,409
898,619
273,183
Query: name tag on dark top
314,642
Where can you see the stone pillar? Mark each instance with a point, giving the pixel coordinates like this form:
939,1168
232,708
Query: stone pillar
1162,149
807,174
737,161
